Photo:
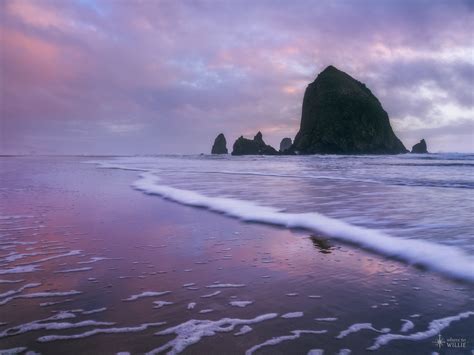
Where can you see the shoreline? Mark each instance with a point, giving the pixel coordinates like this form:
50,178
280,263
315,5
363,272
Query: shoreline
156,245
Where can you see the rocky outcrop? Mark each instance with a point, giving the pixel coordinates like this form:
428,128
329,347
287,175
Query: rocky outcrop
420,148
220,145
255,146
340,115
285,144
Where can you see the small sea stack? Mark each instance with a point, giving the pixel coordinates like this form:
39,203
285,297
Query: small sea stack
255,146
220,145
285,144
420,148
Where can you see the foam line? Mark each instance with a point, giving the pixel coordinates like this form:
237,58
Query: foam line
52,324
244,330
146,294
357,327
40,295
292,315
434,328
240,304
211,294
21,289
19,269
277,340
447,260
407,325
139,328
192,331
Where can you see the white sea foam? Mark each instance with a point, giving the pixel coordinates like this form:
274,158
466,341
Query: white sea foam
146,294
159,304
240,304
407,325
292,315
447,260
40,295
344,352
434,328
134,329
192,331
328,319
19,269
21,289
277,340
93,311
95,259
47,304
18,256
211,294
191,305
51,323
204,311
70,253
358,327
244,330
316,352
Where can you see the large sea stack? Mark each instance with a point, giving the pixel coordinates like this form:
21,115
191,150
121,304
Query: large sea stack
255,146
341,116
220,145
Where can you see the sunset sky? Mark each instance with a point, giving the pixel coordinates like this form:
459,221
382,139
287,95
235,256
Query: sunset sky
135,77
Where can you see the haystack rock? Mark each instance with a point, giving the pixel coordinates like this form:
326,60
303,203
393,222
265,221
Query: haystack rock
220,145
255,146
341,116
420,148
285,144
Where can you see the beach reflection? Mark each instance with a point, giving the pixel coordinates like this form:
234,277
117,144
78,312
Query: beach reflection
136,245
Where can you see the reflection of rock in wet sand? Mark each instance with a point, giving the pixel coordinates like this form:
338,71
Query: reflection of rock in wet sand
321,244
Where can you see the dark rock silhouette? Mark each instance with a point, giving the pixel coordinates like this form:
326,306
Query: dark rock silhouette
420,148
220,145
341,116
255,146
285,144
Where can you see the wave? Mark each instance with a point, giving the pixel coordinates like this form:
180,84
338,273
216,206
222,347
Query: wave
447,260
291,176
397,182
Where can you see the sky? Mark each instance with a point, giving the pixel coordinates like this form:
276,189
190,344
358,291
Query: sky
153,77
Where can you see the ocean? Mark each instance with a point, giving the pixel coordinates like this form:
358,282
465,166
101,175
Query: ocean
236,255
416,208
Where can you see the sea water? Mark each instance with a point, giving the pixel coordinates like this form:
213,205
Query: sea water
414,207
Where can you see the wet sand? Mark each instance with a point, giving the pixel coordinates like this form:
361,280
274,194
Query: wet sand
76,212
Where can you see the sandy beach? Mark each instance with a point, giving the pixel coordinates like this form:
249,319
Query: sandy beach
79,244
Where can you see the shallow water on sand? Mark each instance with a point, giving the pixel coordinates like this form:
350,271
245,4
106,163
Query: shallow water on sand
79,245
416,207
429,197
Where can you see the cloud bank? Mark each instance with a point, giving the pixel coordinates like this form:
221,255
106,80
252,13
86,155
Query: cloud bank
135,77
